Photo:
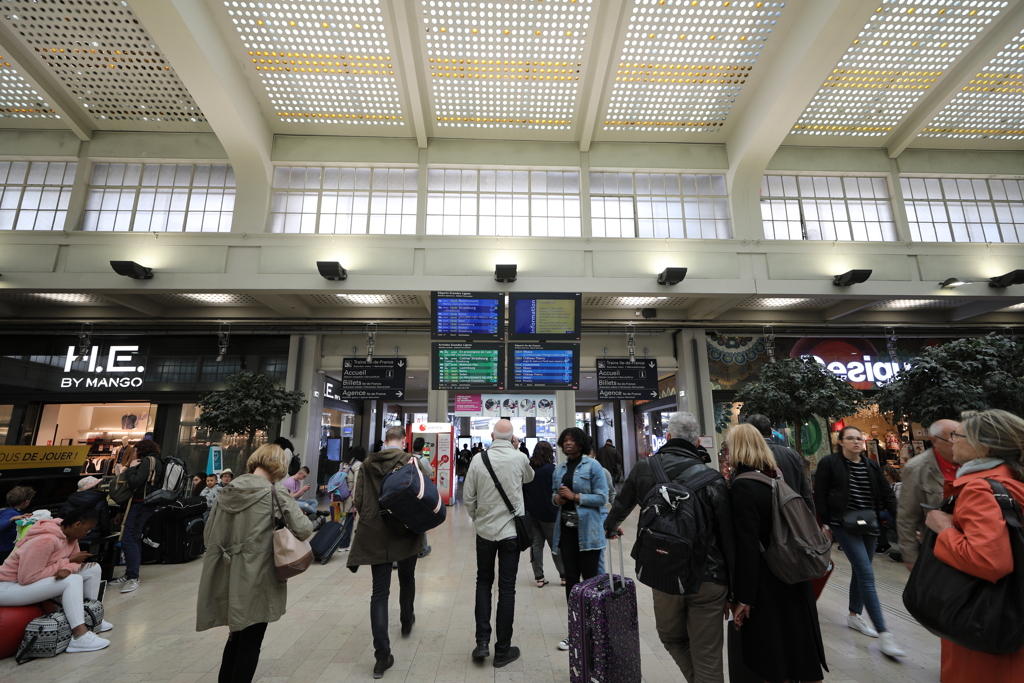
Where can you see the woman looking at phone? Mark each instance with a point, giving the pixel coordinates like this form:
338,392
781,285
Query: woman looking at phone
46,563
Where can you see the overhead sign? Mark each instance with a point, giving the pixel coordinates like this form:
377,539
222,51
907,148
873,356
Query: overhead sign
108,367
377,379
622,378
468,366
549,365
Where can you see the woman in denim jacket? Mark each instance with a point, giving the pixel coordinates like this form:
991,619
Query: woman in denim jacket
580,490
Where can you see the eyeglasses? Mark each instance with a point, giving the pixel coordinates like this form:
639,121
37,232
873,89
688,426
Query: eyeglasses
940,438
957,435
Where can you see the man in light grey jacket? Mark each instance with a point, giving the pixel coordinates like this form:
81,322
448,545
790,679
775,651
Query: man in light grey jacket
496,537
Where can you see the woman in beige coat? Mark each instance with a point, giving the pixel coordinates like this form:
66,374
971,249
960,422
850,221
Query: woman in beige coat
239,586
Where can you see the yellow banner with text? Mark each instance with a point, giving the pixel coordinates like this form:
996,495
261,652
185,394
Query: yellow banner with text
32,457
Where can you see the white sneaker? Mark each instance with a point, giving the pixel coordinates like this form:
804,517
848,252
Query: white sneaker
887,644
89,642
130,585
564,644
854,621
104,627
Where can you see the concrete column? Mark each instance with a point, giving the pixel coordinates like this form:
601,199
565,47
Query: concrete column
627,445
437,406
565,414
303,352
693,382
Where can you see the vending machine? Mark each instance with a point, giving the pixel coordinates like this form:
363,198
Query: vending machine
439,446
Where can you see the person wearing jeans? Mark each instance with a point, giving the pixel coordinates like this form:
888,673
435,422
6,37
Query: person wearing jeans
493,496
145,475
377,545
849,482
542,512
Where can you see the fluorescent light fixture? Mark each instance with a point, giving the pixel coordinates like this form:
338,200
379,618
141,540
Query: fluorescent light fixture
781,303
952,282
132,269
851,277
505,272
1014,277
331,270
671,276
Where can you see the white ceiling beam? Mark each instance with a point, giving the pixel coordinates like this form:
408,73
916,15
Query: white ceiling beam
286,305
609,22
30,68
187,32
137,302
709,309
816,40
980,307
1000,32
408,51
836,311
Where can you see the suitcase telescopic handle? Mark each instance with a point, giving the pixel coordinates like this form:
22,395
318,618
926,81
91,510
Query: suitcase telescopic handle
622,567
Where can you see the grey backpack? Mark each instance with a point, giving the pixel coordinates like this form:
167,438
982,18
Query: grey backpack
799,551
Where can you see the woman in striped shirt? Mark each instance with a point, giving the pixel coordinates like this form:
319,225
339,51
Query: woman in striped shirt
849,490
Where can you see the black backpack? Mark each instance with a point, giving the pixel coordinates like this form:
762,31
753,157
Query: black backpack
674,531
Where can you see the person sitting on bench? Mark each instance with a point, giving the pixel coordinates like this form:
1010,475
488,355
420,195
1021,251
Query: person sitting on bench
296,488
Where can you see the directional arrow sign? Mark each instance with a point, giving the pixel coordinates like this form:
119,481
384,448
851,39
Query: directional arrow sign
622,378
380,378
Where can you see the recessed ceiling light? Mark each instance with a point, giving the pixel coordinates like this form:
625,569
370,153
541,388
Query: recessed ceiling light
780,303
211,298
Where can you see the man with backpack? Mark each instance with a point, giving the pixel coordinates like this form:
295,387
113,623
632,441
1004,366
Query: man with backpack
689,622
790,463
144,476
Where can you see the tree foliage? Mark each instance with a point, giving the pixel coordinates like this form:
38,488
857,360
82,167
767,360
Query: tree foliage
252,402
966,374
796,389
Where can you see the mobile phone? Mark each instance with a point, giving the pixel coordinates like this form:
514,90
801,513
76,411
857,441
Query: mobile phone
926,506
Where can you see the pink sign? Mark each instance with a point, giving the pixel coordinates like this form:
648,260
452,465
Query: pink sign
470,403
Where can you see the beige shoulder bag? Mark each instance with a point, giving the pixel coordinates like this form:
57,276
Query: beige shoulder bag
291,556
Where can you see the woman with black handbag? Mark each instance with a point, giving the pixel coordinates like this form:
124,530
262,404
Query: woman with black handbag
849,490
976,539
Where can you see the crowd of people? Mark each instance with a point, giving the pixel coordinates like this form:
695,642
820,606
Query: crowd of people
940,501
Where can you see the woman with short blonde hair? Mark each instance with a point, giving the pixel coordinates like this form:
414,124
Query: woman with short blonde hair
271,458
778,621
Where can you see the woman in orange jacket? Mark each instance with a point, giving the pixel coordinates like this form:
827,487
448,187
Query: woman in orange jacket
975,539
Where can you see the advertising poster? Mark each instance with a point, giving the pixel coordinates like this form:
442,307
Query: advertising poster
505,405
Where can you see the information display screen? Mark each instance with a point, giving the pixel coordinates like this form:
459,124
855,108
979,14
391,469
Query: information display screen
544,317
468,366
468,315
544,366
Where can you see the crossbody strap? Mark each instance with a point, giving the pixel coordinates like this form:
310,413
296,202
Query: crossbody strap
497,485
1009,507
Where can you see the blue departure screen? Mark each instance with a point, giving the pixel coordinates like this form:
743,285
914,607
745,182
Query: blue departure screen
545,367
465,315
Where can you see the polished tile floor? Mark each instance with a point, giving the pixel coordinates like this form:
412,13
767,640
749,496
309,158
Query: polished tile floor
325,636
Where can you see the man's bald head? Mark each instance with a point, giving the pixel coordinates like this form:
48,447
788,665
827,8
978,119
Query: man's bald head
941,441
503,430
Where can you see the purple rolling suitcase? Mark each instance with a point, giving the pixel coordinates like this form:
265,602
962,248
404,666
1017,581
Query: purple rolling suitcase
604,631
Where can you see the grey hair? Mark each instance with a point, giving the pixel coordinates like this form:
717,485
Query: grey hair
504,436
935,429
684,426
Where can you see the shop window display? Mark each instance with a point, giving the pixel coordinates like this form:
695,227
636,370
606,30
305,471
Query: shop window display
194,443
6,412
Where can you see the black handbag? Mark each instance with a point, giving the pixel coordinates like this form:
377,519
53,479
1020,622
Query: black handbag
524,531
860,522
973,613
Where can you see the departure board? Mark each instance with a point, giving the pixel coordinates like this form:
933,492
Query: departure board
544,366
544,317
477,316
460,365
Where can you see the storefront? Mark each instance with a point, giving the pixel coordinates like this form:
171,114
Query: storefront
339,429
867,363
109,391
650,418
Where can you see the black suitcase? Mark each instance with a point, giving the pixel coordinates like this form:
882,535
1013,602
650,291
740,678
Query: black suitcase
182,524
327,541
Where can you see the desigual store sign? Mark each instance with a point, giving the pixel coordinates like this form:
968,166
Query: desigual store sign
864,362
113,366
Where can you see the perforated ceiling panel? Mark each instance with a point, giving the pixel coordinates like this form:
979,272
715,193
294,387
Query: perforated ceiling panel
991,105
217,299
18,99
683,63
512,65
366,299
101,52
902,51
54,299
630,301
767,302
325,62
